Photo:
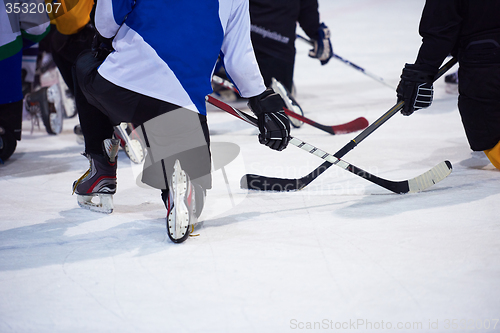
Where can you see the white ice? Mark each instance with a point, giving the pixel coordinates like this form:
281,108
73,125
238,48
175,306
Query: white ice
341,253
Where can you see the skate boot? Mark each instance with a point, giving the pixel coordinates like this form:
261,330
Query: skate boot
290,102
46,103
99,180
130,142
181,204
8,144
79,134
451,81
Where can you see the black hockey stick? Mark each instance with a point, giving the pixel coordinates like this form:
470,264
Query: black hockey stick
417,184
347,62
386,116
353,126
297,184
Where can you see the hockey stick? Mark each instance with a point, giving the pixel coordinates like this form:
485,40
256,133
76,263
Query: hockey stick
392,111
347,62
353,126
304,181
417,184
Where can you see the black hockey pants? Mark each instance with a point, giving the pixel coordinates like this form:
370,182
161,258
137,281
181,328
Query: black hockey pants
170,132
274,67
479,88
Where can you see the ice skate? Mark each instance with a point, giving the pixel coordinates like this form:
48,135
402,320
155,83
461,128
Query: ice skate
8,144
130,142
289,100
67,99
451,81
46,103
99,180
182,213
79,134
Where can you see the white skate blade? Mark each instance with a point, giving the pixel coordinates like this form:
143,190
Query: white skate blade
179,217
105,204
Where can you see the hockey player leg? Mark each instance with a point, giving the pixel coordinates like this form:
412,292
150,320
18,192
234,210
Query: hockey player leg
99,181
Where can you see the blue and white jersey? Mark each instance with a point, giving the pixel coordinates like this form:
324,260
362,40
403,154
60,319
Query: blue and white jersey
167,49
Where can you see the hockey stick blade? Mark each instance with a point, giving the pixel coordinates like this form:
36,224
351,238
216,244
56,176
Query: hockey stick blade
355,125
413,185
417,184
263,183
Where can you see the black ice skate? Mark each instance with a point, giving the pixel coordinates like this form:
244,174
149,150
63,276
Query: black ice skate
99,180
451,81
79,134
290,102
182,215
46,103
8,144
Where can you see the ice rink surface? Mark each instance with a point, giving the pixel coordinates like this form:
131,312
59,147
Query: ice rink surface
340,255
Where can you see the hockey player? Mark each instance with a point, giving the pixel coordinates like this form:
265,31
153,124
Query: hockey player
273,36
73,34
148,79
18,30
469,30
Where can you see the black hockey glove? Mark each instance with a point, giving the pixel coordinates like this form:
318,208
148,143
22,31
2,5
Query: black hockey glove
323,50
274,125
415,88
101,47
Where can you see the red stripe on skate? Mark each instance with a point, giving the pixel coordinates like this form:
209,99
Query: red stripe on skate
97,182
